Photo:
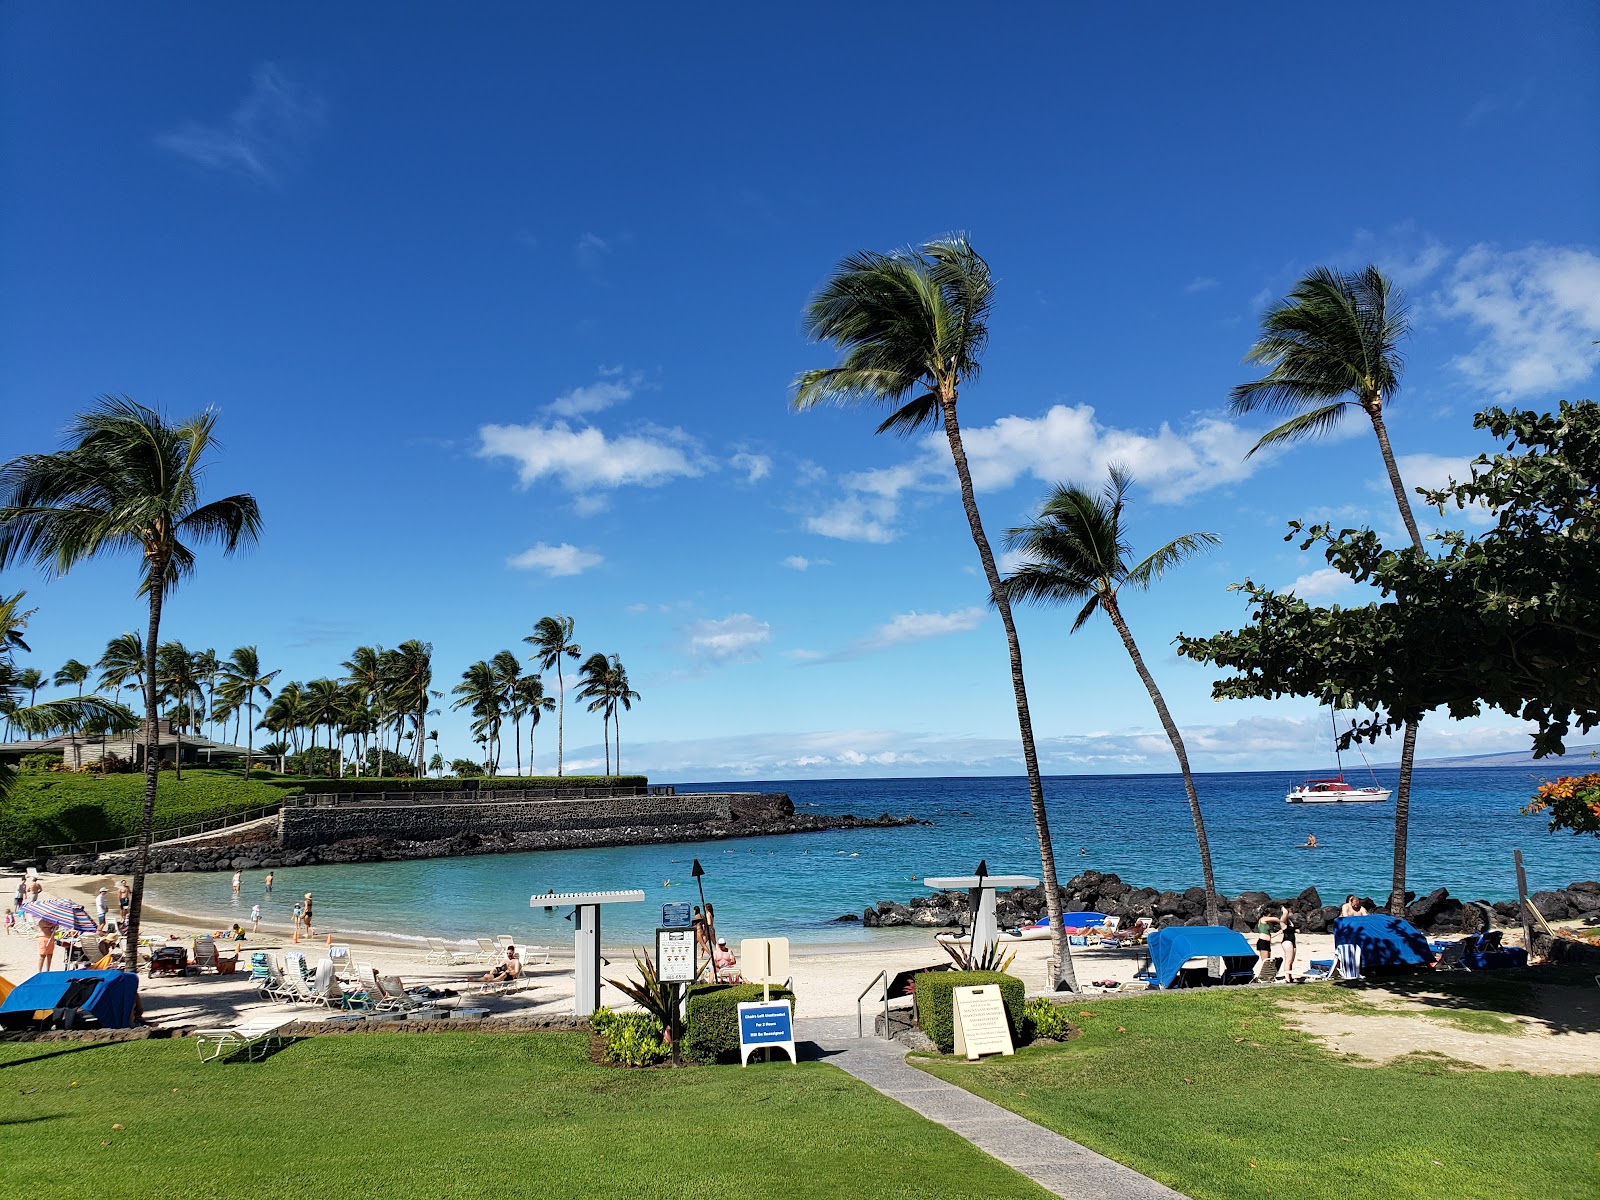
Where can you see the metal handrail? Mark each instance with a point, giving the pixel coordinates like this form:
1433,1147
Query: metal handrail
158,835
883,978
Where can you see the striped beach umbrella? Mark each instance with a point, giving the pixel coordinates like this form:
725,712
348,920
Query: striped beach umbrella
64,914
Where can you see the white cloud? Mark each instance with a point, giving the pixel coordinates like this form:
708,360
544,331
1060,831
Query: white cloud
565,559
1539,309
613,387
260,137
1203,283
585,459
756,467
918,627
855,519
1325,583
592,250
797,562
736,637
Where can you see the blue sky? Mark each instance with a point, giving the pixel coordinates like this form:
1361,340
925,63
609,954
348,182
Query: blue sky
500,309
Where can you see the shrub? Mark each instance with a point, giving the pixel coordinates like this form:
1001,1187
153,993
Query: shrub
370,784
43,760
935,1003
712,1033
1043,1019
632,1039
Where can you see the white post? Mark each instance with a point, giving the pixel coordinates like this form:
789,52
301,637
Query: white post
586,959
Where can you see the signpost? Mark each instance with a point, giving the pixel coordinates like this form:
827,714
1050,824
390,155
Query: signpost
676,916
676,956
585,939
765,1025
980,1020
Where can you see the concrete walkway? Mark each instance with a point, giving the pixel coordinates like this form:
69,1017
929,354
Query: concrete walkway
1050,1160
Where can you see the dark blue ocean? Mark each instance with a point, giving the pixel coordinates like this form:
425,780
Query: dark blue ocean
1464,826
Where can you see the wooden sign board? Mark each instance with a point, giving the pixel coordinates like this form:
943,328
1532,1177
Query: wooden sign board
980,1020
764,960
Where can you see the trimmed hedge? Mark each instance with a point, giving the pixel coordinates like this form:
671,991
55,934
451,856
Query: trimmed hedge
936,1004
711,1033
367,785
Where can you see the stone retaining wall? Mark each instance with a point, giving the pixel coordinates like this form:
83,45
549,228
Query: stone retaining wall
304,827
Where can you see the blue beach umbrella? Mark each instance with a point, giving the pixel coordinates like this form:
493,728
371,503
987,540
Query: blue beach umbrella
64,914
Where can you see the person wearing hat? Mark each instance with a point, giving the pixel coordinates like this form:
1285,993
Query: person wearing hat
722,957
306,916
100,910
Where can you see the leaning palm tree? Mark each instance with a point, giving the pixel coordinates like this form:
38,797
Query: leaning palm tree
912,326
620,695
507,670
72,672
408,678
1333,344
552,641
528,700
364,672
122,664
245,682
595,689
30,681
13,622
1077,550
127,480
480,692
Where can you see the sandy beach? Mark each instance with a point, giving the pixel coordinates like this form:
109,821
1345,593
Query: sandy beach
827,979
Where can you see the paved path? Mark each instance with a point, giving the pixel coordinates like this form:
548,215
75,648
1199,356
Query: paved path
1050,1160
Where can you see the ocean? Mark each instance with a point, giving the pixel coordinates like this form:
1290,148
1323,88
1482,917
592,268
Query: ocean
1464,825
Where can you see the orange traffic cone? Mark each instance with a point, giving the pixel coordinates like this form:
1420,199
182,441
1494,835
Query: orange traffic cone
329,942
296,938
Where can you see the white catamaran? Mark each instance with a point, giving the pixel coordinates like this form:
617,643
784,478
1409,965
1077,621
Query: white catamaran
1336,790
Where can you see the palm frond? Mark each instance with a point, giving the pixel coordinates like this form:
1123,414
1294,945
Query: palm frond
909,418
1174,552
1310,424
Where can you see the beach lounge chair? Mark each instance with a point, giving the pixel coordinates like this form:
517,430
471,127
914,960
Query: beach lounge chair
392,995
1347,960
262,1033
1452,957
447,954
488,952
1269,973
343,964
528,954
1319,968
205,955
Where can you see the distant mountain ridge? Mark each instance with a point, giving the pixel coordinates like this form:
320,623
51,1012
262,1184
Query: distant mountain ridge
1513,758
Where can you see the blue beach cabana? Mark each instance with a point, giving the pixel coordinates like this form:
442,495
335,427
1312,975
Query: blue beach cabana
86,999
1386,943
1174,946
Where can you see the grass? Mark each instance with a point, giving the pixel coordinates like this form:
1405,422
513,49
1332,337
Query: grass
494,1115
46,807
1212,1095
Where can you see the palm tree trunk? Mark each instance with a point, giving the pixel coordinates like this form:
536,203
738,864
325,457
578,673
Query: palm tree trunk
516,730
1064,975
561,717
1375,411
1109,603
616,719
152,766
1402,821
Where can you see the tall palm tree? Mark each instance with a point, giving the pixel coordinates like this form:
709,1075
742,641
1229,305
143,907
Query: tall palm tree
912,326
324,701
72,672
528,700
127,480
246,682
1331,345
1077,550
593,689
364,671
552,641
122,664
507,669
408,674
30,681
480,691
285,715
177,680
620,695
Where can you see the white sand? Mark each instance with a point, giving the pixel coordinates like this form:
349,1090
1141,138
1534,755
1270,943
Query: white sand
827,979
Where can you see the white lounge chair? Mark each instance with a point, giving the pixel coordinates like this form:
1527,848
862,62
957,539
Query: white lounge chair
488,952
264,1032
447,954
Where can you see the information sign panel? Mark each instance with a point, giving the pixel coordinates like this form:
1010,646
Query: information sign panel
764,960
675,956
980,1021
764,1024
676,916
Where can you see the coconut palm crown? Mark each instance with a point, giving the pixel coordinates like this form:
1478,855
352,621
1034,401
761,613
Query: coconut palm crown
911,327
127,480
1078,550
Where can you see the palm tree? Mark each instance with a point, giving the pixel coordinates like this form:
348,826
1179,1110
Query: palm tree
552,641
13,621
436,764
408,675
480,691
323,703
528,700
177,681
30,681
126,481
912,326
122,664
364,671
1332,345
286,715
245,682
621,696
205,671
72,672
593,689
1077,550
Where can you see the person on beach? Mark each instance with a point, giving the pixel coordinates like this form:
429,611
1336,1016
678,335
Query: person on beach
124,895
299,913
100,909
11,922
1264,932
47,945
255,918
1353,907
309,931
269,883
36,889
722,957
506,971
22,892
699,924
1287,939
237,876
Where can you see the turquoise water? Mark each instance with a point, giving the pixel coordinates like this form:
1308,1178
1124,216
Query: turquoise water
1464,826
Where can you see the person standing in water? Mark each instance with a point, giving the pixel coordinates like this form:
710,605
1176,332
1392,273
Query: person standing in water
255,918
237,875
269,883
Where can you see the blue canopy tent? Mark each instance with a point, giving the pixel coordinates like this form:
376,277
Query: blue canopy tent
1170,948
72,1000
1386,943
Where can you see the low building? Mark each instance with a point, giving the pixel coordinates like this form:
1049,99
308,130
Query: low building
80,749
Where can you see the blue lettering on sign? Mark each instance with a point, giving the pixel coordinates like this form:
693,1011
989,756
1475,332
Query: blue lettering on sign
757,1025
676,916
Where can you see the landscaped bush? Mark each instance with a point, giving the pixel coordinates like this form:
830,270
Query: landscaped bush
59,807
632,1039
1041,1018
43,760
935,1004
712,1024
367,785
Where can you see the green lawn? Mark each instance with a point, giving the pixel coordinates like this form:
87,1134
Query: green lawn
47,807
1208,1093
405,1116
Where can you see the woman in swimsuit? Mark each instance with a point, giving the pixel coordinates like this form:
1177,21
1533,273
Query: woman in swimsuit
1264,938
1287,927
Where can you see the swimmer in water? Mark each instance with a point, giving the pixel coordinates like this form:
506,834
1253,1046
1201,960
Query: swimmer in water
1310,843
1083,851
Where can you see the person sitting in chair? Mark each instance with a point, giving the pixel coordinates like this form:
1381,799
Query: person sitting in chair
506,971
